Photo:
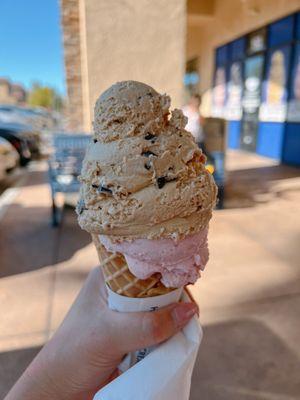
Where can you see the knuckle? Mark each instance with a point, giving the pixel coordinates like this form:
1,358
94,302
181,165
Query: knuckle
154,327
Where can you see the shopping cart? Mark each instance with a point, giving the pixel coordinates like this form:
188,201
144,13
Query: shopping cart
64,167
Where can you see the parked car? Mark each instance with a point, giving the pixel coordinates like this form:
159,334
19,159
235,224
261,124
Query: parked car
10,114
9,157
32,136
18,142
37,117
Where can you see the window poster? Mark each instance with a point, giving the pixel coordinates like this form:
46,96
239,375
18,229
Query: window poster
234,92
293,114
275,93
219,93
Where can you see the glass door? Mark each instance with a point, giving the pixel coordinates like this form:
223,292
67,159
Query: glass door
253,76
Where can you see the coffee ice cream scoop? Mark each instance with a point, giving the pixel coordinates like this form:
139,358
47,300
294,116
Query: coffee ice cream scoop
143,176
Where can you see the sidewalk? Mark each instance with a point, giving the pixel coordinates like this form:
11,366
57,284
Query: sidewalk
41,271
249,294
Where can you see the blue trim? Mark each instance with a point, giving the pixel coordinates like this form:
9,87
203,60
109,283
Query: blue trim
291,146
295,64
237,49
281,31
297,29
222,55
233,134
270,139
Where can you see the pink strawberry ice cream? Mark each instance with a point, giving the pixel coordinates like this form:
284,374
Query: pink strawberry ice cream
178,262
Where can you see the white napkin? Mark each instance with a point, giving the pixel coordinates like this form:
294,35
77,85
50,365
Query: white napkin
166,370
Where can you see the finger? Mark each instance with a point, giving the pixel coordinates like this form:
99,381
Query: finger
94,289
145,329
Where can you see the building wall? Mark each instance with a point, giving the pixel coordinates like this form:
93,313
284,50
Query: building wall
127,39
11,93
108,41
72,56
231,19
5,96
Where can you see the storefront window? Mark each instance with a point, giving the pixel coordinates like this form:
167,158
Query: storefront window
256,87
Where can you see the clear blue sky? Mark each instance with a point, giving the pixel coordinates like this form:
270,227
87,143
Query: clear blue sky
31,42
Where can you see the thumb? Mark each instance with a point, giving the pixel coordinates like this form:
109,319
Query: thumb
145,329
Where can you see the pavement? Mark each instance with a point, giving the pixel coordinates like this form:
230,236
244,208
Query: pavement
249,294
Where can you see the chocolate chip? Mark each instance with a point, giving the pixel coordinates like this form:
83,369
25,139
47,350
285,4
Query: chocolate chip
161,181
104,189
95,140
149,94
147,166
149,136
148,153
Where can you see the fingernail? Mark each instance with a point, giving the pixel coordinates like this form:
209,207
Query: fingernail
183,313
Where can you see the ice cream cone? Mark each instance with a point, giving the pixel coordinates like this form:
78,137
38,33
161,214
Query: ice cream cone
146,196
119,278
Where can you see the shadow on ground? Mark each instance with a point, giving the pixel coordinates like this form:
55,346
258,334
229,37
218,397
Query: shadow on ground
36,178
16,361
37,244
244,360
16,177
248,187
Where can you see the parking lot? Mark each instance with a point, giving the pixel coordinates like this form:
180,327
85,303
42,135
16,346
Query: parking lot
249,294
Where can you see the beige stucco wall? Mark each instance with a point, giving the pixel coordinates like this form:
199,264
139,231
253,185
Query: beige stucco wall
129,39
231,19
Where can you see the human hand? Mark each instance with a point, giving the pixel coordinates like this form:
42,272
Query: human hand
86,350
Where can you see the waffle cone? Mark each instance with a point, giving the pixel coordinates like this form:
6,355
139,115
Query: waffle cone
119,278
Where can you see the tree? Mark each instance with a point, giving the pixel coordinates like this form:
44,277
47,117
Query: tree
45,96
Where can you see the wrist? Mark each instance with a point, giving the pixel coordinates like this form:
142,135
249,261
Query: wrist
37,382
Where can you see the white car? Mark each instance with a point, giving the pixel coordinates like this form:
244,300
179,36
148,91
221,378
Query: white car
9,158
10,114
